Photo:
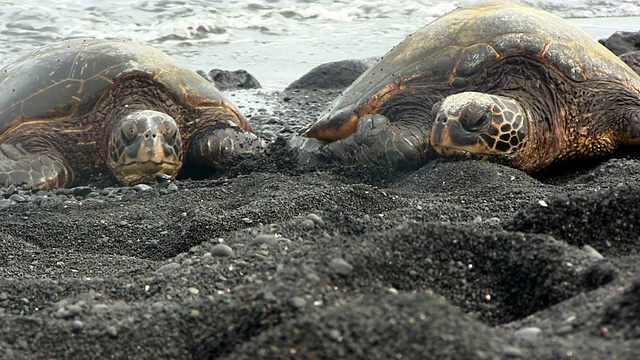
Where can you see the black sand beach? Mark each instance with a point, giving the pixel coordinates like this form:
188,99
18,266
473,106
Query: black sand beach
455,260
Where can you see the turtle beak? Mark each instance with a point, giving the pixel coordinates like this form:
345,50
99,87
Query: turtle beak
152,147
448,134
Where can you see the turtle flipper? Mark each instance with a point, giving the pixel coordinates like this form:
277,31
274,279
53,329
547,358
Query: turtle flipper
217,145
18,166
376,141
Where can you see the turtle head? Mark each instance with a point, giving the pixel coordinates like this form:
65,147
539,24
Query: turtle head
144,143
468,123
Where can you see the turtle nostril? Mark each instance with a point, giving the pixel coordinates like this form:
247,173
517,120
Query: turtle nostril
442,118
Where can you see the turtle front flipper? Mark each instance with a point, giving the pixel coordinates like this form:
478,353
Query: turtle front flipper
221,143
43,171
376,141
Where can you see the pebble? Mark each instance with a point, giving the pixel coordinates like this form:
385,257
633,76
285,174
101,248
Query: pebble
162,178
168,268
592,252
221,250
512,352
77,325
564,330
264,239
335,335
17,198
528,333
70,311
112,331
10,191
297,302
193,291
82,191
207,257
341,266
172,187
316,219
142,187
6,203
307,224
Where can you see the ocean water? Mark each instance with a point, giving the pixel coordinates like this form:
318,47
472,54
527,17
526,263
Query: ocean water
276,40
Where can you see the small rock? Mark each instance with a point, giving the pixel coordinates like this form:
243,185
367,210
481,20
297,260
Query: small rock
17,198
592,252
193,291
297,302
528,333
335,335
221,250
77,325
233,80
112,331
172,187
69,312
512,352
264,239
316,219
162,178
307,224
168,268
10,191
341,266
142,187
81,191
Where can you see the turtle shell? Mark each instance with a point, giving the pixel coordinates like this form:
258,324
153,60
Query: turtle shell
67,80
447,55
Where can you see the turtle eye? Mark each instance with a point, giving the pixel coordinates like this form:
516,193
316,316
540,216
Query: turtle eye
435,108
169,131
475,123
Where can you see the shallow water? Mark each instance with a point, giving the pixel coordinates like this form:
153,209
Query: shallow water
276,40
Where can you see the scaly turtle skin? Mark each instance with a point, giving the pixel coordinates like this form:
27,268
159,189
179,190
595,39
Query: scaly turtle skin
501,81
84,107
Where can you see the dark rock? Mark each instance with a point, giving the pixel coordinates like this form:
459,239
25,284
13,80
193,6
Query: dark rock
231,80
632,59
333,75
622,42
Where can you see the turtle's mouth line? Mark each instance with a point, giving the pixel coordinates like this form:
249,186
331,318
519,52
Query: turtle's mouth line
134,162
450,138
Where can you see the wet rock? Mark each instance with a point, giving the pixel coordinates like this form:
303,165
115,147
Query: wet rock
231,80
632,59
333,75
622,42
221,250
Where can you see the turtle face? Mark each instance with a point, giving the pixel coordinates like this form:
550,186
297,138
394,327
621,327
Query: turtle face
478,123
143,144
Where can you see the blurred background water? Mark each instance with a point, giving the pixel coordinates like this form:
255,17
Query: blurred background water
275,40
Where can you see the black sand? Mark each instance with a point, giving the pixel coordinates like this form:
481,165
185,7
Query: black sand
457,260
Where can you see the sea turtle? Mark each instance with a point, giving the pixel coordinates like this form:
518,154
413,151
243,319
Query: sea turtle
497,81
81,108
